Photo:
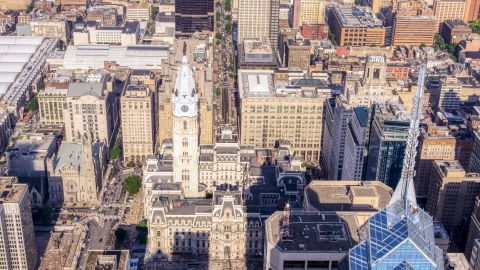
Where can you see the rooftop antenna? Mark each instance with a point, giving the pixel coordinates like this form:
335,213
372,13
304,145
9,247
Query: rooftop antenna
405,189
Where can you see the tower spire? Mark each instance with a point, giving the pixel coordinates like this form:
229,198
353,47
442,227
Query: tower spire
405,189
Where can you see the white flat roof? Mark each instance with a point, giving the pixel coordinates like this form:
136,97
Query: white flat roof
8,77
11,67
15,57
21,40
18,48
4,87
134,56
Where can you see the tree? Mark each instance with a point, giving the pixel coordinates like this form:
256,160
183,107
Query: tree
436,47
154,11
218,42
115,152
131,164
142,237
331,37
133,184
475,26
230,75
349,43
228,17
423,45
121,234
230,68
218,4
32,104
398,48
147,32
218,25
228,28
452,48
218,35
218,92
29,8
46,215
228,5
218,16
373,45
439,40
142,232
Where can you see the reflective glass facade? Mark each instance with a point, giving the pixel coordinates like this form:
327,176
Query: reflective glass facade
386,150
397,238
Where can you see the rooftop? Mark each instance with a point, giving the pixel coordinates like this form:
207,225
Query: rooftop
64,243
356,17
9,191
261,85
314,232
456,24
24,56
166,17
27,156
88,84
97,258
134,56
340,196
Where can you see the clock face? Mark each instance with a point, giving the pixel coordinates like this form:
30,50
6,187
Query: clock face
184,108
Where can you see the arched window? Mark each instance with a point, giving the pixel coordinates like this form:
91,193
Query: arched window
185,125
185,142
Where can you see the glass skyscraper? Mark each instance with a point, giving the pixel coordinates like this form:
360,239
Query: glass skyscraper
387,142
397,238
401,235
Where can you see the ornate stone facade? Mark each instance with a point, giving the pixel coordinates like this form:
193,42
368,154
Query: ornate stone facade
209,201
75,174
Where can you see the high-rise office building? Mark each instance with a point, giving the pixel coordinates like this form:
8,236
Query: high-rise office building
474,235
338,113
401,235
356,25
193,16
449,94
271,111
448,9
138,117
374,85
387,142
413,30
452,192
472,8
258,19
435,144
308,12
90,107
17,240
355,145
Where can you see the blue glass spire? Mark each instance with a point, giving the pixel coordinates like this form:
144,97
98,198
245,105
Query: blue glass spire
401,235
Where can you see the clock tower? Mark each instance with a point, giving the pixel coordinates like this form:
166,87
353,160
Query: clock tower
185,130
